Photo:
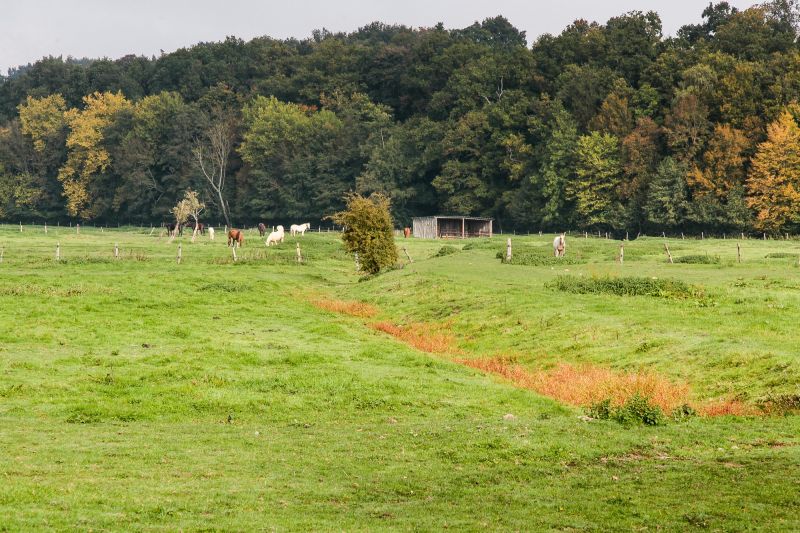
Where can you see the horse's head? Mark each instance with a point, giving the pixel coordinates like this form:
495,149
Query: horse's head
279,228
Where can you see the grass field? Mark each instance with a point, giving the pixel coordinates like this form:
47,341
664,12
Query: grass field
139,394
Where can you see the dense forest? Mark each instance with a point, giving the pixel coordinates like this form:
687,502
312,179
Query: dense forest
610,127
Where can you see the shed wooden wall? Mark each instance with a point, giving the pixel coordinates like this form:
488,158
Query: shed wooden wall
424,227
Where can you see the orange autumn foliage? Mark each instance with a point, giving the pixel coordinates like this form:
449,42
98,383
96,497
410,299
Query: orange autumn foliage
352,308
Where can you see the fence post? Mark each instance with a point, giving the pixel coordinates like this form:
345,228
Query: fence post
45,228
702,235
58,251
669,255
180,254
621,253
508,251
299,255
233,251
738,253
405,250
2,252
20,226
116,251
77,229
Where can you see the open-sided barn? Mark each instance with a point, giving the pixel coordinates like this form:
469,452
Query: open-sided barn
451,227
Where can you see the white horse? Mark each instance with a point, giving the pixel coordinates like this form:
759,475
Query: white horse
211,233
294,229
559,245
275,237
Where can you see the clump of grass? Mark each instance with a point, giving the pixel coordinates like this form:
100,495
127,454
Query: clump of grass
446,250
479,245
627,286
636,410
731,407
781,404
782,255
424,337
587,385
352,308
698,259
229,286
537,259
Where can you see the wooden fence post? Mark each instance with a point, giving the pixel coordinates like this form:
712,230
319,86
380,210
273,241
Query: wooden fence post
77,229
2,252
669,255
508,251
405,250
738,253
45,228
621,253
299,255
58,251
702,235
180,254
682,236
20,226
233,251
116,251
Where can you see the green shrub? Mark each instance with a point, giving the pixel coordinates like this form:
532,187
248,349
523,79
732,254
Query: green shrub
636,410
698,259
683,412
626,286
368,231
446,250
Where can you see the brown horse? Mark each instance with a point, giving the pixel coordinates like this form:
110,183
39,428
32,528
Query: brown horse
262,229
235,237
406,232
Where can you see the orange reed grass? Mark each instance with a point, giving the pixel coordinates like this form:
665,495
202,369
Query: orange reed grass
586,384
359,309
424,337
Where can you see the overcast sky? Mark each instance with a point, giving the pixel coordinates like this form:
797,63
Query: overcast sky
32,29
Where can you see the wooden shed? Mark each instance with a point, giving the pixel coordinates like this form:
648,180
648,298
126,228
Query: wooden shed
451,227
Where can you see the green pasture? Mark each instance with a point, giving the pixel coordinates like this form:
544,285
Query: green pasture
141,394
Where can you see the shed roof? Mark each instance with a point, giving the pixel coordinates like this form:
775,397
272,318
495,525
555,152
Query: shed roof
458,217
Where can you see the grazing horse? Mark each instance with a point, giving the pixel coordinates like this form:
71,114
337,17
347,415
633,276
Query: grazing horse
235,237
294,229
172,228
559,245
211,233
275,237
262,229
406,232
201,228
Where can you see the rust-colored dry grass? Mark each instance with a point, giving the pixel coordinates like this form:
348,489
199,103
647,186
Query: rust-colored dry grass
359,309
425,337
584,385
727,407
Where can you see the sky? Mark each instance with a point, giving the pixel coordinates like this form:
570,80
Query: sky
32,29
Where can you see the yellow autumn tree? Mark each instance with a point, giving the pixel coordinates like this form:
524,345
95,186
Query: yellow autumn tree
41,118
723,163
773,184
86,155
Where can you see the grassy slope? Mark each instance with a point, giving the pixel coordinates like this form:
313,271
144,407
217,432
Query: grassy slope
142,394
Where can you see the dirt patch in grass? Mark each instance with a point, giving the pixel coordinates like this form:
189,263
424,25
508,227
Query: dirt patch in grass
352,308
429,338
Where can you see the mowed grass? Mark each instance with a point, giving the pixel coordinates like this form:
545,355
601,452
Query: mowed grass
141,394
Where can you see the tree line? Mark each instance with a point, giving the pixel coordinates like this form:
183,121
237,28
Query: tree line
610,127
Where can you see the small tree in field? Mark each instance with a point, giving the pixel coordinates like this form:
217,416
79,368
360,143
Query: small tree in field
368,231
181,213
195,207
